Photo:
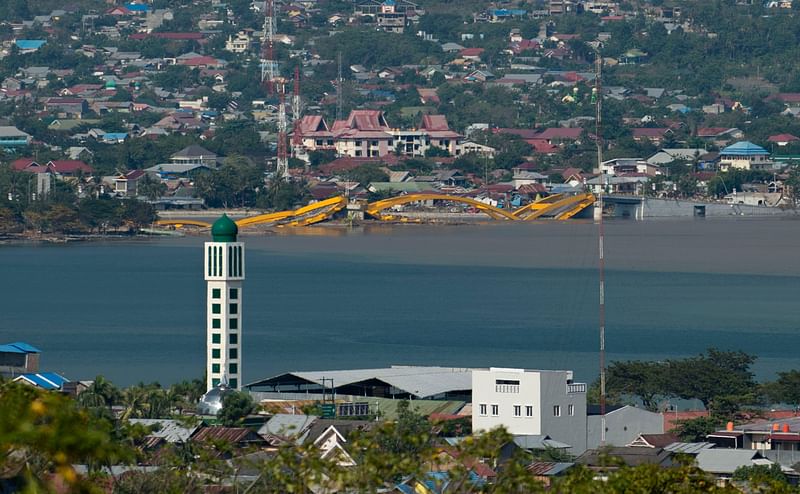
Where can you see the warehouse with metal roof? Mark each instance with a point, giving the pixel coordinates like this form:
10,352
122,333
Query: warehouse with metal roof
391,382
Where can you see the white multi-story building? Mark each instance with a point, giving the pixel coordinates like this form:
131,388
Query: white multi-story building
224,273
532,403
241,43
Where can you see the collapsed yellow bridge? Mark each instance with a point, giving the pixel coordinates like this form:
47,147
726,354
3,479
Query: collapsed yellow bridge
556,206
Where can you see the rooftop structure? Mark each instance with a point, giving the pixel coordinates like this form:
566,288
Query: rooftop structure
396,381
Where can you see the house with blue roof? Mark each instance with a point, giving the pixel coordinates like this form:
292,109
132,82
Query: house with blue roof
48,381
114,137
18,358
744,155
29,45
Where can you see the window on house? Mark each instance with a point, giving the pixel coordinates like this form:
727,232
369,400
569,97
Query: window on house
233,323
215,368
233,353
233,339
482,409
571,410
319,142
495,410
233,368
233,308
215,353
216,323
216,293
529,410
233,383
234,293
517,410
216,308
215,338
358,143
358,153
556,410
215,382
330,142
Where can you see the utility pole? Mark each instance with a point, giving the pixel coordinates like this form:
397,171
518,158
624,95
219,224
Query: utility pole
601,238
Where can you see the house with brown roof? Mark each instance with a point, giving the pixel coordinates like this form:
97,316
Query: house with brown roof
652,134
66,107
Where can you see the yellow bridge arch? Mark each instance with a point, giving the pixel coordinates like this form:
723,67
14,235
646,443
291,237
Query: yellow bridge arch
375,208
558,206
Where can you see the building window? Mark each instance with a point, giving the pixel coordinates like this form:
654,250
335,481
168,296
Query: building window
233,353
556,410
215,353
216,308
233,368
233,339
215,382
233,383
373,143
571,410
319,142
233,308
215,368
358,143
518,410
216,293
529,410
234,293
495,410
216,323
330,142
215,338
482,409
233,323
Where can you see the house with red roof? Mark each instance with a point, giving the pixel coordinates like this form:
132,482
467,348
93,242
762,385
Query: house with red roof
783,139
203,62
473,54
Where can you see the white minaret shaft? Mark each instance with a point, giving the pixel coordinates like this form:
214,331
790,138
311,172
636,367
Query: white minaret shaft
224,273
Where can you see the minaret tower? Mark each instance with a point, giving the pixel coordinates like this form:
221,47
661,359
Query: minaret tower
224,273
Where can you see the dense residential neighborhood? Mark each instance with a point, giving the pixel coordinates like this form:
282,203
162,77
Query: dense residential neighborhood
350,98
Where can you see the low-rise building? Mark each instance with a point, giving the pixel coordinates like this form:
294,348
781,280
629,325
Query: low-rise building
530,402
18,358
744,155
11,137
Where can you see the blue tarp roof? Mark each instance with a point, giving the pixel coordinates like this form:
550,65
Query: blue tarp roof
137,7
45,380
508,12
29,44
18,347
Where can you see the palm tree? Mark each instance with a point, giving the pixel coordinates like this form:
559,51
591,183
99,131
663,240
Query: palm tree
101,392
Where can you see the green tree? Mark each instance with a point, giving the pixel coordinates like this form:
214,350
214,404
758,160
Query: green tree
644,380
367,173
235,407
711,376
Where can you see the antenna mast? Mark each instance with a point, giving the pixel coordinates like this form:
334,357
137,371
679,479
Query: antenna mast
282,167
297,141
267,47
601,238
339,94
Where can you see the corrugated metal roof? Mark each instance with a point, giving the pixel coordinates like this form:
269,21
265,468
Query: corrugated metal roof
286,425
170,430
688,448
531,441
421,382
725,460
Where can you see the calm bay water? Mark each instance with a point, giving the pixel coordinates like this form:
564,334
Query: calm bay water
478,295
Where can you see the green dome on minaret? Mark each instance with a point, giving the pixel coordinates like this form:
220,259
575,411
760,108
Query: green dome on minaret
224,229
